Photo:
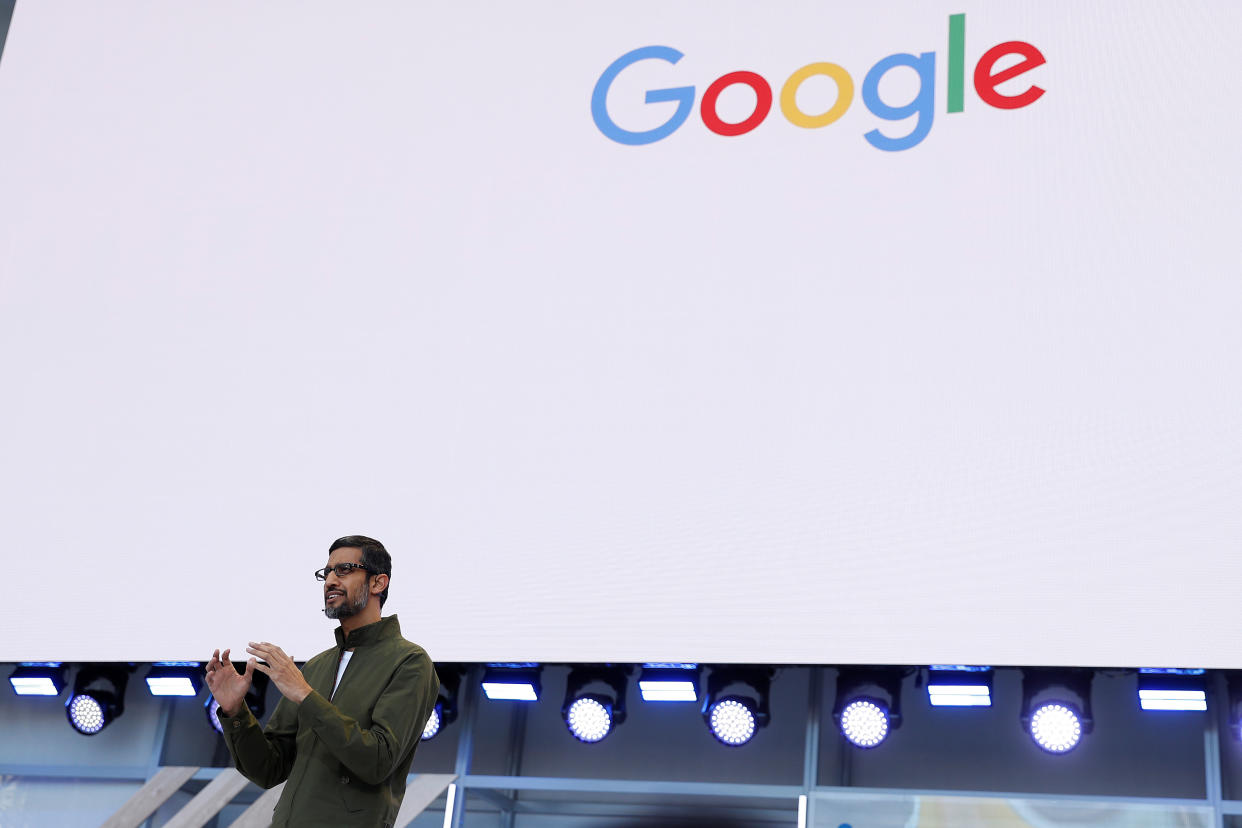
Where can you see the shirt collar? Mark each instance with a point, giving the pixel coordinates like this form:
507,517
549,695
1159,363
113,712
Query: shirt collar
387,627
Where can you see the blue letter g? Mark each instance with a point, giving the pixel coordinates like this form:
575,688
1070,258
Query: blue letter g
684,95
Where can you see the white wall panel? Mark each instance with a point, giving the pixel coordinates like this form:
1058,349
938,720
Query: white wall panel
275,274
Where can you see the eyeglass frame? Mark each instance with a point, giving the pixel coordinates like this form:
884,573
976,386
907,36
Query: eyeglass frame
322,574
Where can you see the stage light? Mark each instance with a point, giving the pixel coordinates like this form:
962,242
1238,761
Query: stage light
732,720
512,682
959,686
445,711
175,678
1056,708
868,704
38,678
669,682
87,714
1172,689
594,701
737,703
432,727
1056,727
98,697
1233,690
256,700
588,719
211,706
864,722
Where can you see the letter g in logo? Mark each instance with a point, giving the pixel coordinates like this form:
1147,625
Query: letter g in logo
683,95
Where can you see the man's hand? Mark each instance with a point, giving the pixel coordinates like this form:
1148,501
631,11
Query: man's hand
226,684
283,672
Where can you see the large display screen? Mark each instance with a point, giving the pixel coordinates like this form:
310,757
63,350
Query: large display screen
811,332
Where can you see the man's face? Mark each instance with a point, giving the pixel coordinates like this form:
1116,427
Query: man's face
343,597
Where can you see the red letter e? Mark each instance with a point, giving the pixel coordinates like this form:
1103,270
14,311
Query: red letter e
986,82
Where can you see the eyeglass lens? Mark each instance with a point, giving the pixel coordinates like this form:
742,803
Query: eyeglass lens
341,570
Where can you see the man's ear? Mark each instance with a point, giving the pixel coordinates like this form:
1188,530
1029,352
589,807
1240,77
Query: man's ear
379,583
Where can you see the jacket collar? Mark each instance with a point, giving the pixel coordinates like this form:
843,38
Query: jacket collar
370,634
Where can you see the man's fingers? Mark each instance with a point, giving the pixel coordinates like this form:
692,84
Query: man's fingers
267,651
262,668
250,665
264,650
263,653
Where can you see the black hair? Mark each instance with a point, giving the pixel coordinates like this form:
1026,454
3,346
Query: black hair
374,557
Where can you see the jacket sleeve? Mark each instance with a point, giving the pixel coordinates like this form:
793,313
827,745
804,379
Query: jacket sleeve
397,721
264,756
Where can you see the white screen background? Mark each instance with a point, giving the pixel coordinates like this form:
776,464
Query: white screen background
272,275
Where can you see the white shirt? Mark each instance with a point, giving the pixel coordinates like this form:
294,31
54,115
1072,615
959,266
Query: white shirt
340,670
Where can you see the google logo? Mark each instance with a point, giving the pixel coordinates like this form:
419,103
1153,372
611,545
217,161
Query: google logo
986,80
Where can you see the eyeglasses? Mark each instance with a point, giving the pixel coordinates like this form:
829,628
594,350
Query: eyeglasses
341,570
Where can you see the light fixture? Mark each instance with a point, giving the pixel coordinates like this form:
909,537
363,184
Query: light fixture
512,682
98,697
38,678
864,722
211,706
434,722
959,686
868,704
1056,727
669,682
588,719
256,700
1056,707
1233,691
594,701
445,711
733,721
737,703
175,678
1172,688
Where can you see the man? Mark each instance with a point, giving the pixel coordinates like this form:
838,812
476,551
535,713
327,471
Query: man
345,731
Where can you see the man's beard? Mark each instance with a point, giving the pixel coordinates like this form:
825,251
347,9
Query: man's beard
347,608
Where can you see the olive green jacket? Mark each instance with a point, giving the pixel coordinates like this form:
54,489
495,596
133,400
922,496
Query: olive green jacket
345,760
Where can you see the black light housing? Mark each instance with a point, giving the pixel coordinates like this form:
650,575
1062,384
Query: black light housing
669,682
175,678
98,697
38,678
445,710
1172,688
868,704
594,701
959,686
1056,707
513,681
1233,688
737,703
